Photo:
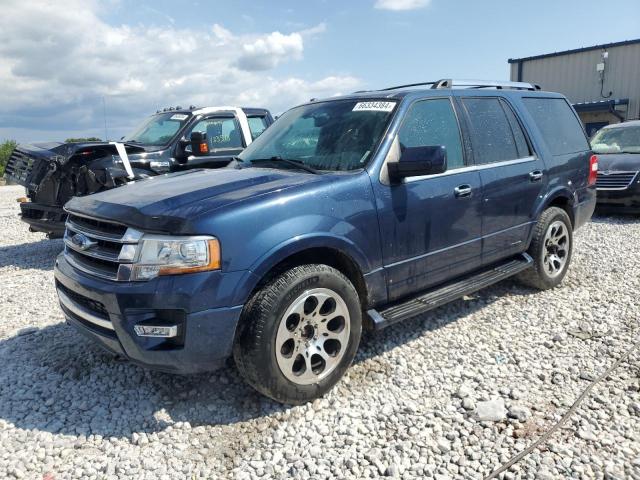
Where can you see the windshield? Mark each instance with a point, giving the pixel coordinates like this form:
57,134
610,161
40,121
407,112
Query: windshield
158,129
337,135
617,140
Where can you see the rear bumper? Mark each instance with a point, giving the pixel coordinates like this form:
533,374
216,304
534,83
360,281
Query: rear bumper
43,218
107,313
583,210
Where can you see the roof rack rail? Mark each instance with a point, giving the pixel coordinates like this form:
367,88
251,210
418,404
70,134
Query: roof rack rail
450,83
498,84
407,86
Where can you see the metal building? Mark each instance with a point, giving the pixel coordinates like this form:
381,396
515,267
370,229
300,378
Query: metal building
602,81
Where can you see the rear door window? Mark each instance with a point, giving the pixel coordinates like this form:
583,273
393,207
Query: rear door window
492,136
558,124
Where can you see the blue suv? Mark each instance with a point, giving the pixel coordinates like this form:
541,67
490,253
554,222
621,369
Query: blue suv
347,213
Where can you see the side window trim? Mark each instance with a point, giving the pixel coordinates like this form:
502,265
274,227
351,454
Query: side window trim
465,131
507,105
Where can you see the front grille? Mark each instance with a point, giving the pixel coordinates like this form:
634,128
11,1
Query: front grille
615,180
100,248
99,226
19,167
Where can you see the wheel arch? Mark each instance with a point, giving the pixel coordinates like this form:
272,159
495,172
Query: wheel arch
335,252
560,197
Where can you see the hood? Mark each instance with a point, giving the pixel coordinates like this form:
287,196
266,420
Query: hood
67,150
40,159
167,203
619,162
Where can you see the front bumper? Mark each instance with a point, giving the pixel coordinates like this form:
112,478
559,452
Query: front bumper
108,311
43,218
627,200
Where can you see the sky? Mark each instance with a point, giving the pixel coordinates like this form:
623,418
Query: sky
66,66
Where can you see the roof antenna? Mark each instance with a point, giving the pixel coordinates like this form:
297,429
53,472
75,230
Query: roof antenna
104,114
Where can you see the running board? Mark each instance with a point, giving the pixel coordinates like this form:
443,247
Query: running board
448,292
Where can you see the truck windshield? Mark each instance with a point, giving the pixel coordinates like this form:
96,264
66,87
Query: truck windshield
617,140
158,129
336,135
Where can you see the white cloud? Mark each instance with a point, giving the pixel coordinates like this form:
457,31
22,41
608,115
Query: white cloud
267,52
55,71
401,4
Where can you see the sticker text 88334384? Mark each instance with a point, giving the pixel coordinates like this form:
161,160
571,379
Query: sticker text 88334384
374,106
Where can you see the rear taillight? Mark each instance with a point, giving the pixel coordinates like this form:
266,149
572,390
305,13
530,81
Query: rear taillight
593,170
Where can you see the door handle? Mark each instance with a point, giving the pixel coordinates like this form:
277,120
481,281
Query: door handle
462,191
535,176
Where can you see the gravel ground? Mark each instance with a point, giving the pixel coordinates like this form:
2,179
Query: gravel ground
410,407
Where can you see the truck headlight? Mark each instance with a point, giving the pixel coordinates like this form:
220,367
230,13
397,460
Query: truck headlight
160,255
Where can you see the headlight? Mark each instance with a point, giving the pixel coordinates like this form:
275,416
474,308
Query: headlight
174,255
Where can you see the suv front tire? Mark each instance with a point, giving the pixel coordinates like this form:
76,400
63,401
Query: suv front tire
299,334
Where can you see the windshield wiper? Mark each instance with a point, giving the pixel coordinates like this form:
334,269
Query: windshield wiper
292,163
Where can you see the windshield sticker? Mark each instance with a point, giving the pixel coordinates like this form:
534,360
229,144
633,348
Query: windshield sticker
374,106
179,116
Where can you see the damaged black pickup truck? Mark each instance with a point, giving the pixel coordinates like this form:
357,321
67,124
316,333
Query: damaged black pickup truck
171,140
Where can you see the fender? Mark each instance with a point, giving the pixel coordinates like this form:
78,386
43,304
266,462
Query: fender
556,192
291,247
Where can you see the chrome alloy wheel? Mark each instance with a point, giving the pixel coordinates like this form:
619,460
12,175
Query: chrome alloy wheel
313,336
556,248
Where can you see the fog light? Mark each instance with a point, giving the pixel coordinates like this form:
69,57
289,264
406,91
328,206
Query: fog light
156,331
22,199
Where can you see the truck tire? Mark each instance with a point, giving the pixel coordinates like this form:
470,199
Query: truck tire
551,248
299,333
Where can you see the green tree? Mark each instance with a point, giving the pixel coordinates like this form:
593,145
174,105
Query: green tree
6,148
87,139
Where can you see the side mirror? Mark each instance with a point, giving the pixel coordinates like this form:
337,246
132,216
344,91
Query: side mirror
417,161
199,145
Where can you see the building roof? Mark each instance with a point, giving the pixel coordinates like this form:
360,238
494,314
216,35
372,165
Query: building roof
576,50
600,104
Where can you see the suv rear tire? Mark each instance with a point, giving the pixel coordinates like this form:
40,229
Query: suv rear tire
299,334
551,248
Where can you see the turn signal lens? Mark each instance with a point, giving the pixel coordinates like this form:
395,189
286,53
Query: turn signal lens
593,170
204,147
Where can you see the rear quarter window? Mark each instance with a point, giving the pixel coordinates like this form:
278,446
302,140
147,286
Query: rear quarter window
558,124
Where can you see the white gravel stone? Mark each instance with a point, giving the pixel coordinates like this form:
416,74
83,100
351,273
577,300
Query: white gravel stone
519,412
405,409
491,410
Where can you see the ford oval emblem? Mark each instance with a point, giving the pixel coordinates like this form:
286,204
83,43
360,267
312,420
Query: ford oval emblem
83,242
